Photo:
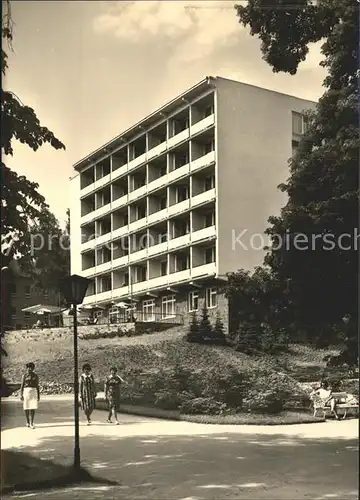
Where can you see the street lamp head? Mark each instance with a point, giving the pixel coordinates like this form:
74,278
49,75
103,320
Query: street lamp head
74,288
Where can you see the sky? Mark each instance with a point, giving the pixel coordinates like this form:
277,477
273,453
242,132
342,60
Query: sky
92,69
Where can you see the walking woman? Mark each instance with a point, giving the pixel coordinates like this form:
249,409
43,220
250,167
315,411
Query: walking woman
30,394
87,392
112,394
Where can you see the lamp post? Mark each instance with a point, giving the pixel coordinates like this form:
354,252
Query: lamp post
74,289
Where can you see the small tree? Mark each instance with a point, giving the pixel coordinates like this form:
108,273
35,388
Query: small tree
193,334
205,328
218,333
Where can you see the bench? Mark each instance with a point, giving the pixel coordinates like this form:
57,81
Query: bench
343,400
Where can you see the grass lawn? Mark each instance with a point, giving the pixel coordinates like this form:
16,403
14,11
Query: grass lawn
53,355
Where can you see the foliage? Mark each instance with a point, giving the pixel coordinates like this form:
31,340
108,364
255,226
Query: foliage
202,406
323,183
205,327
218,333
193,334
21,202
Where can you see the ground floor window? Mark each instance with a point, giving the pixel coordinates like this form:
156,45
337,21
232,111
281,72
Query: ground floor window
168,306
211,297
114,315
149,310
193,301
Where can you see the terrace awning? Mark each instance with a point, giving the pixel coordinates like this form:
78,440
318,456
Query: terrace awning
43,309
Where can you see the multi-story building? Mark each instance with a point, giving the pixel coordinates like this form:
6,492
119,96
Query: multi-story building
162,212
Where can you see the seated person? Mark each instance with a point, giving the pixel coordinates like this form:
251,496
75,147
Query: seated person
38,324
325,393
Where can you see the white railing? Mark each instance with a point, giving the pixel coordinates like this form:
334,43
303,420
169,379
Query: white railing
204,197
140,255
88,217
179,207
157,150
120,231
120,292
88,244
119,172
133,226
179,242
156,249
179,172
203,161
158,183
157,216
202,124
120,261
100,240
203,234
137,193
136,161
181,136
88,272
119,202
103,268
87,190
104,296
179,276
102,181
204,270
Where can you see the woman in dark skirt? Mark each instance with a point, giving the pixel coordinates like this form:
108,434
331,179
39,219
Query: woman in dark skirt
30,394
87,392
112,394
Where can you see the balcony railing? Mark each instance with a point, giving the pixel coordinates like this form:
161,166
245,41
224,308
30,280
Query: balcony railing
202,124
203,161
202,198
181,136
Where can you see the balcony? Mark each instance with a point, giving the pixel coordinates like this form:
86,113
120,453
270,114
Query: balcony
205,270
121,231
157,216
137,193
179,242
202,124
87,190
103,268
119,172
102,181
134,226
157,249
103,296
102,210
88,217
203,161
178,173
120,261
122,291
203,234
179,207
179,276
88,245
119,202
104,238
158,183
139,255
157,150
88,272
202,198
176,139
136,161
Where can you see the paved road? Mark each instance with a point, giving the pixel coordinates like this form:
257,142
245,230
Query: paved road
157,459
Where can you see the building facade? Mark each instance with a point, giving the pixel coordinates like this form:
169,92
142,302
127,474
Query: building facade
161,213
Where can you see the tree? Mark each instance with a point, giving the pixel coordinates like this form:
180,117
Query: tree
218,333
323,184
21,202
205,328
193,334
49,260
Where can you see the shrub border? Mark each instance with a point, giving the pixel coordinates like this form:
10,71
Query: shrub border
254,419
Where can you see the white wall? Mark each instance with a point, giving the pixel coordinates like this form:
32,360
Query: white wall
253,147
75,231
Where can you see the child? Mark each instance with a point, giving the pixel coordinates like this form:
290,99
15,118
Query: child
112,393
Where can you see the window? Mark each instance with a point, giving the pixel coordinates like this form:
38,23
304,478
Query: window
114,315
209,255
209,147
13,314
193,301
182,262
211,298
13,291
162,171
210,219
46,294
209,110
299,123
168,306
182,194
149,310
209,182
140,212
163,203
140,274
126,279
27,291
27,316
163,268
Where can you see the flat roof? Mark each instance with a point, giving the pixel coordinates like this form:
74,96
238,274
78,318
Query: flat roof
146,122
153,118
